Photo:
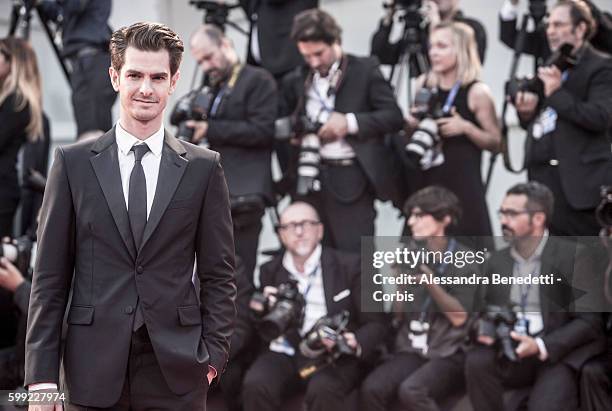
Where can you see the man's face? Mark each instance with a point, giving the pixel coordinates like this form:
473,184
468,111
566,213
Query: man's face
424,225
211,58
319,55
560,29
300,230
516,221
144,84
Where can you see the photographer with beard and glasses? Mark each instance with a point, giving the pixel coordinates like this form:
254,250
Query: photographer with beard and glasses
240,126
569,122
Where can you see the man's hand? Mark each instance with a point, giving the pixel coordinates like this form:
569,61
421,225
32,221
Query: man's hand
527,345
452,126
431,13
335,128
211,375
47,407
200,128
526,104
485,340
10,276
351,339
551,77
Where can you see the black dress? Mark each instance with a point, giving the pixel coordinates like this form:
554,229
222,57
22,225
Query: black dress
13,125
461,173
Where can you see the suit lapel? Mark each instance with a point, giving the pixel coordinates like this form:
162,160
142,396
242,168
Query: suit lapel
106,167
173,165
328,265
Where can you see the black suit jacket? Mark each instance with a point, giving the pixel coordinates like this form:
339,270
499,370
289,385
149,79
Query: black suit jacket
364,92
580,141
568,336
242,131
84,229
341,271
274,19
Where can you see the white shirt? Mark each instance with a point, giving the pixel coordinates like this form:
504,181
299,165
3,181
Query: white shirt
319,105
150,161
310,285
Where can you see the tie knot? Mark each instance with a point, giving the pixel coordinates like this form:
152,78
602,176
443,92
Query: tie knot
139,151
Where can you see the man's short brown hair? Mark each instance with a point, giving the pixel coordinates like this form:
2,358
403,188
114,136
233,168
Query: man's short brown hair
315,25
580,12
146,36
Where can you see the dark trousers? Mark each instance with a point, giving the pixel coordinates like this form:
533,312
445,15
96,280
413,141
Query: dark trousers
345,205
8,207
566,220
273,376
145,388
92,92
596,382
419,383
554,386
247,227
231,382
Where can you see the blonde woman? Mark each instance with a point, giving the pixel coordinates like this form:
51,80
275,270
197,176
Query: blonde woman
20,118
469,126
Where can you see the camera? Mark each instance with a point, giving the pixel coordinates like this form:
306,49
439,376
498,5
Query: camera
562,59
424,150
330,327
19,252
603,212
195,105
277,315
309,158
215,13
497,322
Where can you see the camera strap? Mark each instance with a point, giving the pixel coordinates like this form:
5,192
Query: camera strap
310,280
225,89
450,99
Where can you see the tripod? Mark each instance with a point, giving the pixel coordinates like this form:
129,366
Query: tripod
21,15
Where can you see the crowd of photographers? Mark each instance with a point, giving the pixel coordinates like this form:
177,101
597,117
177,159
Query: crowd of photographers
333,122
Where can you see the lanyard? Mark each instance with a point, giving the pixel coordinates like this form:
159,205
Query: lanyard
311,279
524,296
441,268
324,106
225,89
451,97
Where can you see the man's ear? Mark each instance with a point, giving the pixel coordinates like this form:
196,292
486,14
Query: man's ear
581,30
114,77
173,81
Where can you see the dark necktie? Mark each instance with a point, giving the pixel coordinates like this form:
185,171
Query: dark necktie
137,197
137,210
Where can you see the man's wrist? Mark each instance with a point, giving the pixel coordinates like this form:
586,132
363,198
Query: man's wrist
543,353
42,386
351,123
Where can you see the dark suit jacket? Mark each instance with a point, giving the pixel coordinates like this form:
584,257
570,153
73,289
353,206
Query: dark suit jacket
341,271
568,336
274,19
580,141
364,92
84,229
242,131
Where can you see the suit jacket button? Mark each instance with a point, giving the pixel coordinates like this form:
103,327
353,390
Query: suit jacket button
128,310
139,269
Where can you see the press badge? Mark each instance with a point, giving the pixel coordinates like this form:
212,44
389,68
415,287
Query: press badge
545,123
418,335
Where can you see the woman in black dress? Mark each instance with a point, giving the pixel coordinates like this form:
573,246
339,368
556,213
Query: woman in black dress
469,126
20,119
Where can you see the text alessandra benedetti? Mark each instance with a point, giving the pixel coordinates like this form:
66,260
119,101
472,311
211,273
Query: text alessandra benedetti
473,279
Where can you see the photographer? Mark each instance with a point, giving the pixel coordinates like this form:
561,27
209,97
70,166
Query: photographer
460,121
569,124
550,341
85,39
350,108
536,43
329,283
433,12
240,126
427,365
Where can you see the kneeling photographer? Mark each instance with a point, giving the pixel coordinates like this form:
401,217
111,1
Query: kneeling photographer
568,122
234,112
309,313
529,335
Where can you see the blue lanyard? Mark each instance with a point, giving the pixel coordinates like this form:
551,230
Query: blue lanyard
451,97
217,101
324,106
311,278
524,296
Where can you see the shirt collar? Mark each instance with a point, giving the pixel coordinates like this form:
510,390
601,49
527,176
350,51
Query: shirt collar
125,140
317,77
537,254
310,265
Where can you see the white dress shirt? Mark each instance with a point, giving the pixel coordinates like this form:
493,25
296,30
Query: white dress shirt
150,161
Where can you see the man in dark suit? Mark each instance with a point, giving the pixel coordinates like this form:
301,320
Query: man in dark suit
355,106
433,12
270,45
241,129
569,128
123,221
552,340
329,282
